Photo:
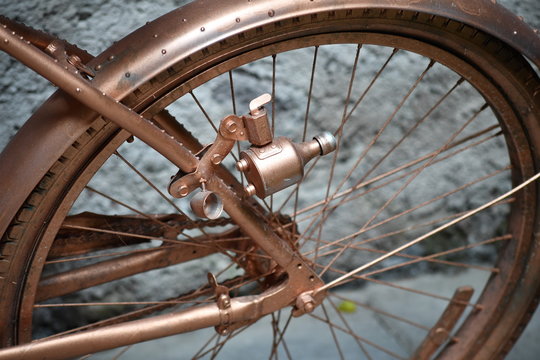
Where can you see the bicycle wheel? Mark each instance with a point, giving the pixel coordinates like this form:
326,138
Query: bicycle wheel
411,155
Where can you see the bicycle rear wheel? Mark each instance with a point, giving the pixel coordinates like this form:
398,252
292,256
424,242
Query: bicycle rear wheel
412,155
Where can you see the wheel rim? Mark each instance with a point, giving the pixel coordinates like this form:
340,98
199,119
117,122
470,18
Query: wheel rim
340,302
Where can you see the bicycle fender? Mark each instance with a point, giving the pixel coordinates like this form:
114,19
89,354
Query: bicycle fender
173,37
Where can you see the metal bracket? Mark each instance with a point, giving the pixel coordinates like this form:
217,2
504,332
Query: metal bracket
230,130
223,301
57,50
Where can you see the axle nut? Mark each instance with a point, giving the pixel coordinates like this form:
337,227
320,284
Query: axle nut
305,303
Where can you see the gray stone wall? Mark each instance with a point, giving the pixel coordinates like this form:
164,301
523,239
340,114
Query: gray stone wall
94,25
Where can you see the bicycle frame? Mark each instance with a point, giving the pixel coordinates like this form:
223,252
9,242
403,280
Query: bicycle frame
100,97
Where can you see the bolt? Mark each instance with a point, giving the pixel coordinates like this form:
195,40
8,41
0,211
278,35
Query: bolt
183,191
250,190
271,13
305,303
225,300
231,126
74,60
216,159
242,165
163,51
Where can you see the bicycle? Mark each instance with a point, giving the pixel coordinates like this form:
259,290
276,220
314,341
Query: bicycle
279,256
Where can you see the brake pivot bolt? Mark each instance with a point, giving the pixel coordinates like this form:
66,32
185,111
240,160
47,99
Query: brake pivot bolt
250,190
242,165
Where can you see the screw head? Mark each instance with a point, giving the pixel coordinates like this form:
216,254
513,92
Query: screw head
183,191
242,165
250,190
217,159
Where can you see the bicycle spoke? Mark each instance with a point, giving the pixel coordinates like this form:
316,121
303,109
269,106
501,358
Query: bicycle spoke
122,352
233,104
360,338
204,290
380,177
355,245
198,353
331,328
306,116
273,123
382,312
150,183
429,234
417,172
443,253
281,338
357,103
428,294
424,204
431,258
339,135
381,129
407,134
151,218
349,328
206,116
217,347
278,338
223,342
